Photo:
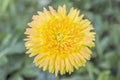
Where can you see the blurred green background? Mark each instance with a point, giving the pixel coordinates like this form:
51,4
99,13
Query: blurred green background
105,61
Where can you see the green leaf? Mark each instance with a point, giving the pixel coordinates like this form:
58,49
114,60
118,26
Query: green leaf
90,68
3,73
29,72
104,75
5,4
29,69
3,60
16,77
104,43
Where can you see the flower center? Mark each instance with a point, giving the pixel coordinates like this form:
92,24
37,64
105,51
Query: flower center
59,37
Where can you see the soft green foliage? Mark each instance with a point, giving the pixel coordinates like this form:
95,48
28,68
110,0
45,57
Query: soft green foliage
105,61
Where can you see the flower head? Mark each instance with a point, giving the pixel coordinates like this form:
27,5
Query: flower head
60,41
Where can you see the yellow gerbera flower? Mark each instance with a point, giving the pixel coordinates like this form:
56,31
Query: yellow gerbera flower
60,41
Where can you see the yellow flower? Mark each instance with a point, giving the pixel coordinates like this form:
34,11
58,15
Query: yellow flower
60,41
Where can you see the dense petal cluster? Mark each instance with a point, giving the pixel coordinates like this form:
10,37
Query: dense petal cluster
60,41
